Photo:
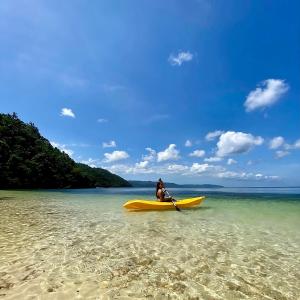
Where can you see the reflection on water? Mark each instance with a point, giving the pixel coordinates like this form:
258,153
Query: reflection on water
83,245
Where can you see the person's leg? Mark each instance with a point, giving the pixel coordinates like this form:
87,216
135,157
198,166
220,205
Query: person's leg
168,199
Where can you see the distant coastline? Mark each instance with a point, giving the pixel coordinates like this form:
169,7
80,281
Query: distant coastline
143,184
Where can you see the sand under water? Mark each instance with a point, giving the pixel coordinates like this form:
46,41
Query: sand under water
81,244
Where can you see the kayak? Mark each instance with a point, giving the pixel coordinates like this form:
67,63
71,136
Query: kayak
157,205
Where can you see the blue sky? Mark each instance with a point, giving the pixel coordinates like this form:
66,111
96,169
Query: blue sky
192,91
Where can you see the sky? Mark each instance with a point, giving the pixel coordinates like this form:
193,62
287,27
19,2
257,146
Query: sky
194,91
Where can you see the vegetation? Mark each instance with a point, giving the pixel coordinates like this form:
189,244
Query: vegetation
102,177
28,160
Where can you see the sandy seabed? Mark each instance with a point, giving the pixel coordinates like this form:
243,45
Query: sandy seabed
54,246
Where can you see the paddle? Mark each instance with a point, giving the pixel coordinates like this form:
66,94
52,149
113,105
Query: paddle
172,200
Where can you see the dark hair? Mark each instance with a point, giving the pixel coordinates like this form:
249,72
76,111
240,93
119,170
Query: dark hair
157,186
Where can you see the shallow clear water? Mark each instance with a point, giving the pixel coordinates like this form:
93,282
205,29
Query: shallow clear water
81,244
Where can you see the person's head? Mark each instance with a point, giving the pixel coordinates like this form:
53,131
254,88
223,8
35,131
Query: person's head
159,185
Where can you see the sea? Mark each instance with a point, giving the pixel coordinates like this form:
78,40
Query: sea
241,243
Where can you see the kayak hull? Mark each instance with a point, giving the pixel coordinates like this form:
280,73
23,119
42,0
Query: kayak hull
157,205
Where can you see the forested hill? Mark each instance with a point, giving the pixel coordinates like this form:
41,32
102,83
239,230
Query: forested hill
28,160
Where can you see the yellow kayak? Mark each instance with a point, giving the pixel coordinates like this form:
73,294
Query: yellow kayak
157,205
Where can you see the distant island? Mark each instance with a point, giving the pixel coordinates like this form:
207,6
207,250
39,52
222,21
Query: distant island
28,161
142,184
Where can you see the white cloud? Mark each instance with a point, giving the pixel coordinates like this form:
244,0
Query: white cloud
91,162
102,120
151,156
213,159
188,143
199,168
195,169
142,164
276,142
297,144
110,144
231,161
144,168
197,153
180,58
281,153
81,145
175,168
67,112
245,176
266,94
232,142
212,135
63,148
205,168
115,155
171,153
127,169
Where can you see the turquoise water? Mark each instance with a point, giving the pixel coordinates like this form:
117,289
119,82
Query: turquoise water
82,244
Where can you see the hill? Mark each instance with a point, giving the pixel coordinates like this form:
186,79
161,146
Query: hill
138,183
28,160
102,177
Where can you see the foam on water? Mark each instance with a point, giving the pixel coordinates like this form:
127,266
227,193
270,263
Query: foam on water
84,245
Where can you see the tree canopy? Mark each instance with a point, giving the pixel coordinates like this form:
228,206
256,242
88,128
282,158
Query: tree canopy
28,160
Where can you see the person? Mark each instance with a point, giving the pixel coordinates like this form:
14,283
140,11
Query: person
160,192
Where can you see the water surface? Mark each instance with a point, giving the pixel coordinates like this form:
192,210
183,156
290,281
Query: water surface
81,244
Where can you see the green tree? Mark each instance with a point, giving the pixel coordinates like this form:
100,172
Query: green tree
28,160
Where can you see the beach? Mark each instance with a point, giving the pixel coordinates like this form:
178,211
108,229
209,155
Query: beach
82,244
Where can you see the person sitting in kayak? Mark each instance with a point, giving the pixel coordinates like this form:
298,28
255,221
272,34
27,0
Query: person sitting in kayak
160,192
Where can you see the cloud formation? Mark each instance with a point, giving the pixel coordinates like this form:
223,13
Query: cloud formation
281,153
283,149
212,135
180,58
297,144
276,142
232,142
110,144
197,168
266,94
213,159
197,153
231,161
142,164
176,168
91,162
171,153
102,120
188,143
67,112
115,155
151,156
245,176
62,148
